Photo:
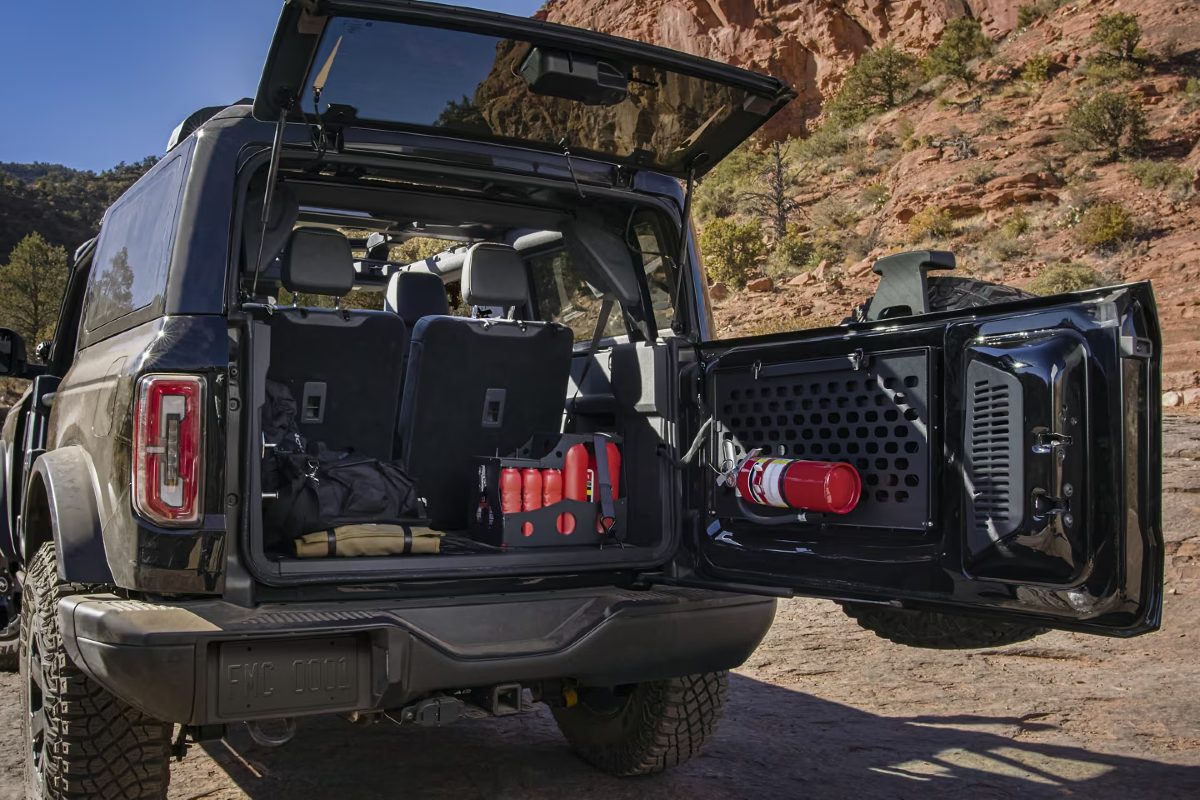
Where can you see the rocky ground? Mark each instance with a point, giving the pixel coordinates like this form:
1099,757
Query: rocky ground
822,709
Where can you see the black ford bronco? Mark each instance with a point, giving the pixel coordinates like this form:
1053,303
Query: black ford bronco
1005,449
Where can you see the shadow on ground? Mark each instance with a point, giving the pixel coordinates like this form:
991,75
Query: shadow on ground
773,742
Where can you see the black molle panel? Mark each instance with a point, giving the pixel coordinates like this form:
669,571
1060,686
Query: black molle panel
875,418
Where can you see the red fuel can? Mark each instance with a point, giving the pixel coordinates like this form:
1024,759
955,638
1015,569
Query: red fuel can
531,495
552,486
823,486
510,490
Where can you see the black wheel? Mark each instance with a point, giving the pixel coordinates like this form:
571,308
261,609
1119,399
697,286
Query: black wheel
80,741
933,629
937,631
646,727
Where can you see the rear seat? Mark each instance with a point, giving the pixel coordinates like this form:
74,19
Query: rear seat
413,295
344,367
478,387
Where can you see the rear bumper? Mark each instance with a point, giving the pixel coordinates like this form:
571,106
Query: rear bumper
209,662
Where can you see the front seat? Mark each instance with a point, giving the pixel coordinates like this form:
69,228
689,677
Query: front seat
479,387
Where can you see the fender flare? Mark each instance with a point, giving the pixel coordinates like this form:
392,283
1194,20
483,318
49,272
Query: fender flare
61,502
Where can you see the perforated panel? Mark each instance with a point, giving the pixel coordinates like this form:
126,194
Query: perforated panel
874,417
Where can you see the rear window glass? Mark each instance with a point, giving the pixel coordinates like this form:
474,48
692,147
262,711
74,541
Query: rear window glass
469,83
563,296
130,267
658,277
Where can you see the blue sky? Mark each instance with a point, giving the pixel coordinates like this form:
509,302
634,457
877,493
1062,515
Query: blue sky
89,84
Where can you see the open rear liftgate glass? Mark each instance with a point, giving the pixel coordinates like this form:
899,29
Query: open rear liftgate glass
1009,460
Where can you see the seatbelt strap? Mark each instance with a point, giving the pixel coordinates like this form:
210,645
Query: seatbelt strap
604,489
606,307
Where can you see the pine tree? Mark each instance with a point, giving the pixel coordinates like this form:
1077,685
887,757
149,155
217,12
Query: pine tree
962,41
31,288
880,80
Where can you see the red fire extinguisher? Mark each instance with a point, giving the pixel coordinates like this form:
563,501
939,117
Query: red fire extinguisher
580,475
823,486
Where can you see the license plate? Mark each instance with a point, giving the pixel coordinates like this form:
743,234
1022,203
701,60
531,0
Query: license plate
261,678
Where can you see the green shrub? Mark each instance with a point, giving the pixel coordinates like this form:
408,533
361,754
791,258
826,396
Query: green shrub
1119,35
826,141
879,80
1037,68
875,195
1017,225
828,246
1103,70
1060,278
719,193
790,253
1161,175
1191,95
979,174
732,250
930,223
1109,122
1029,14
1005,243
962,41
1105,226
834,214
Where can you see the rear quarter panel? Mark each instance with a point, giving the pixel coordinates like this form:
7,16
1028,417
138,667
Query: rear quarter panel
94,409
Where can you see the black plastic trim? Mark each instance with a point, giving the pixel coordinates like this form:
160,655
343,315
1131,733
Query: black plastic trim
164,657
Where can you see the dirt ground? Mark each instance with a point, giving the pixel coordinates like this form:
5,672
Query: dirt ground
821,710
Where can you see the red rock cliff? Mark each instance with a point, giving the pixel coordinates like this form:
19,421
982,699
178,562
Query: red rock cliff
806,42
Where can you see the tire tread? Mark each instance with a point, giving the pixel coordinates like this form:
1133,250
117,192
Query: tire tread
98,747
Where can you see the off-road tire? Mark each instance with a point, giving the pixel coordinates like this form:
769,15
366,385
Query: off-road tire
660,724
936,631
948,294
932,629
92,745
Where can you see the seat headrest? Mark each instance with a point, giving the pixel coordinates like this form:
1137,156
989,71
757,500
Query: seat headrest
494,275
318,261
412,295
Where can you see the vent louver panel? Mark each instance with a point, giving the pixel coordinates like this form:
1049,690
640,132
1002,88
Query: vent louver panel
992,449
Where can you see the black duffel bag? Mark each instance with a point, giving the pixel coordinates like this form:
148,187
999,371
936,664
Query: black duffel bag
316,488
316,496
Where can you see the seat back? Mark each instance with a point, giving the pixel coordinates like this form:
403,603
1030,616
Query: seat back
479,387
343,367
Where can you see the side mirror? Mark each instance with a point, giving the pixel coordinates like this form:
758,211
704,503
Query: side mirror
12,353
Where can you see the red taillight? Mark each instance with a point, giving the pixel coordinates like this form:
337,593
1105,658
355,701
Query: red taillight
168,448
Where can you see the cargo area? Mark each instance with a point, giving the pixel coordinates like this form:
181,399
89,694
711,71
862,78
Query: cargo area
477,379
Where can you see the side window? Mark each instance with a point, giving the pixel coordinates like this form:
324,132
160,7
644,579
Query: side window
129,270
563,296
655,258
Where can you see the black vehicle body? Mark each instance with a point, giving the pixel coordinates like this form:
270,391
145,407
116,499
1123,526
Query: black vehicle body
192,625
